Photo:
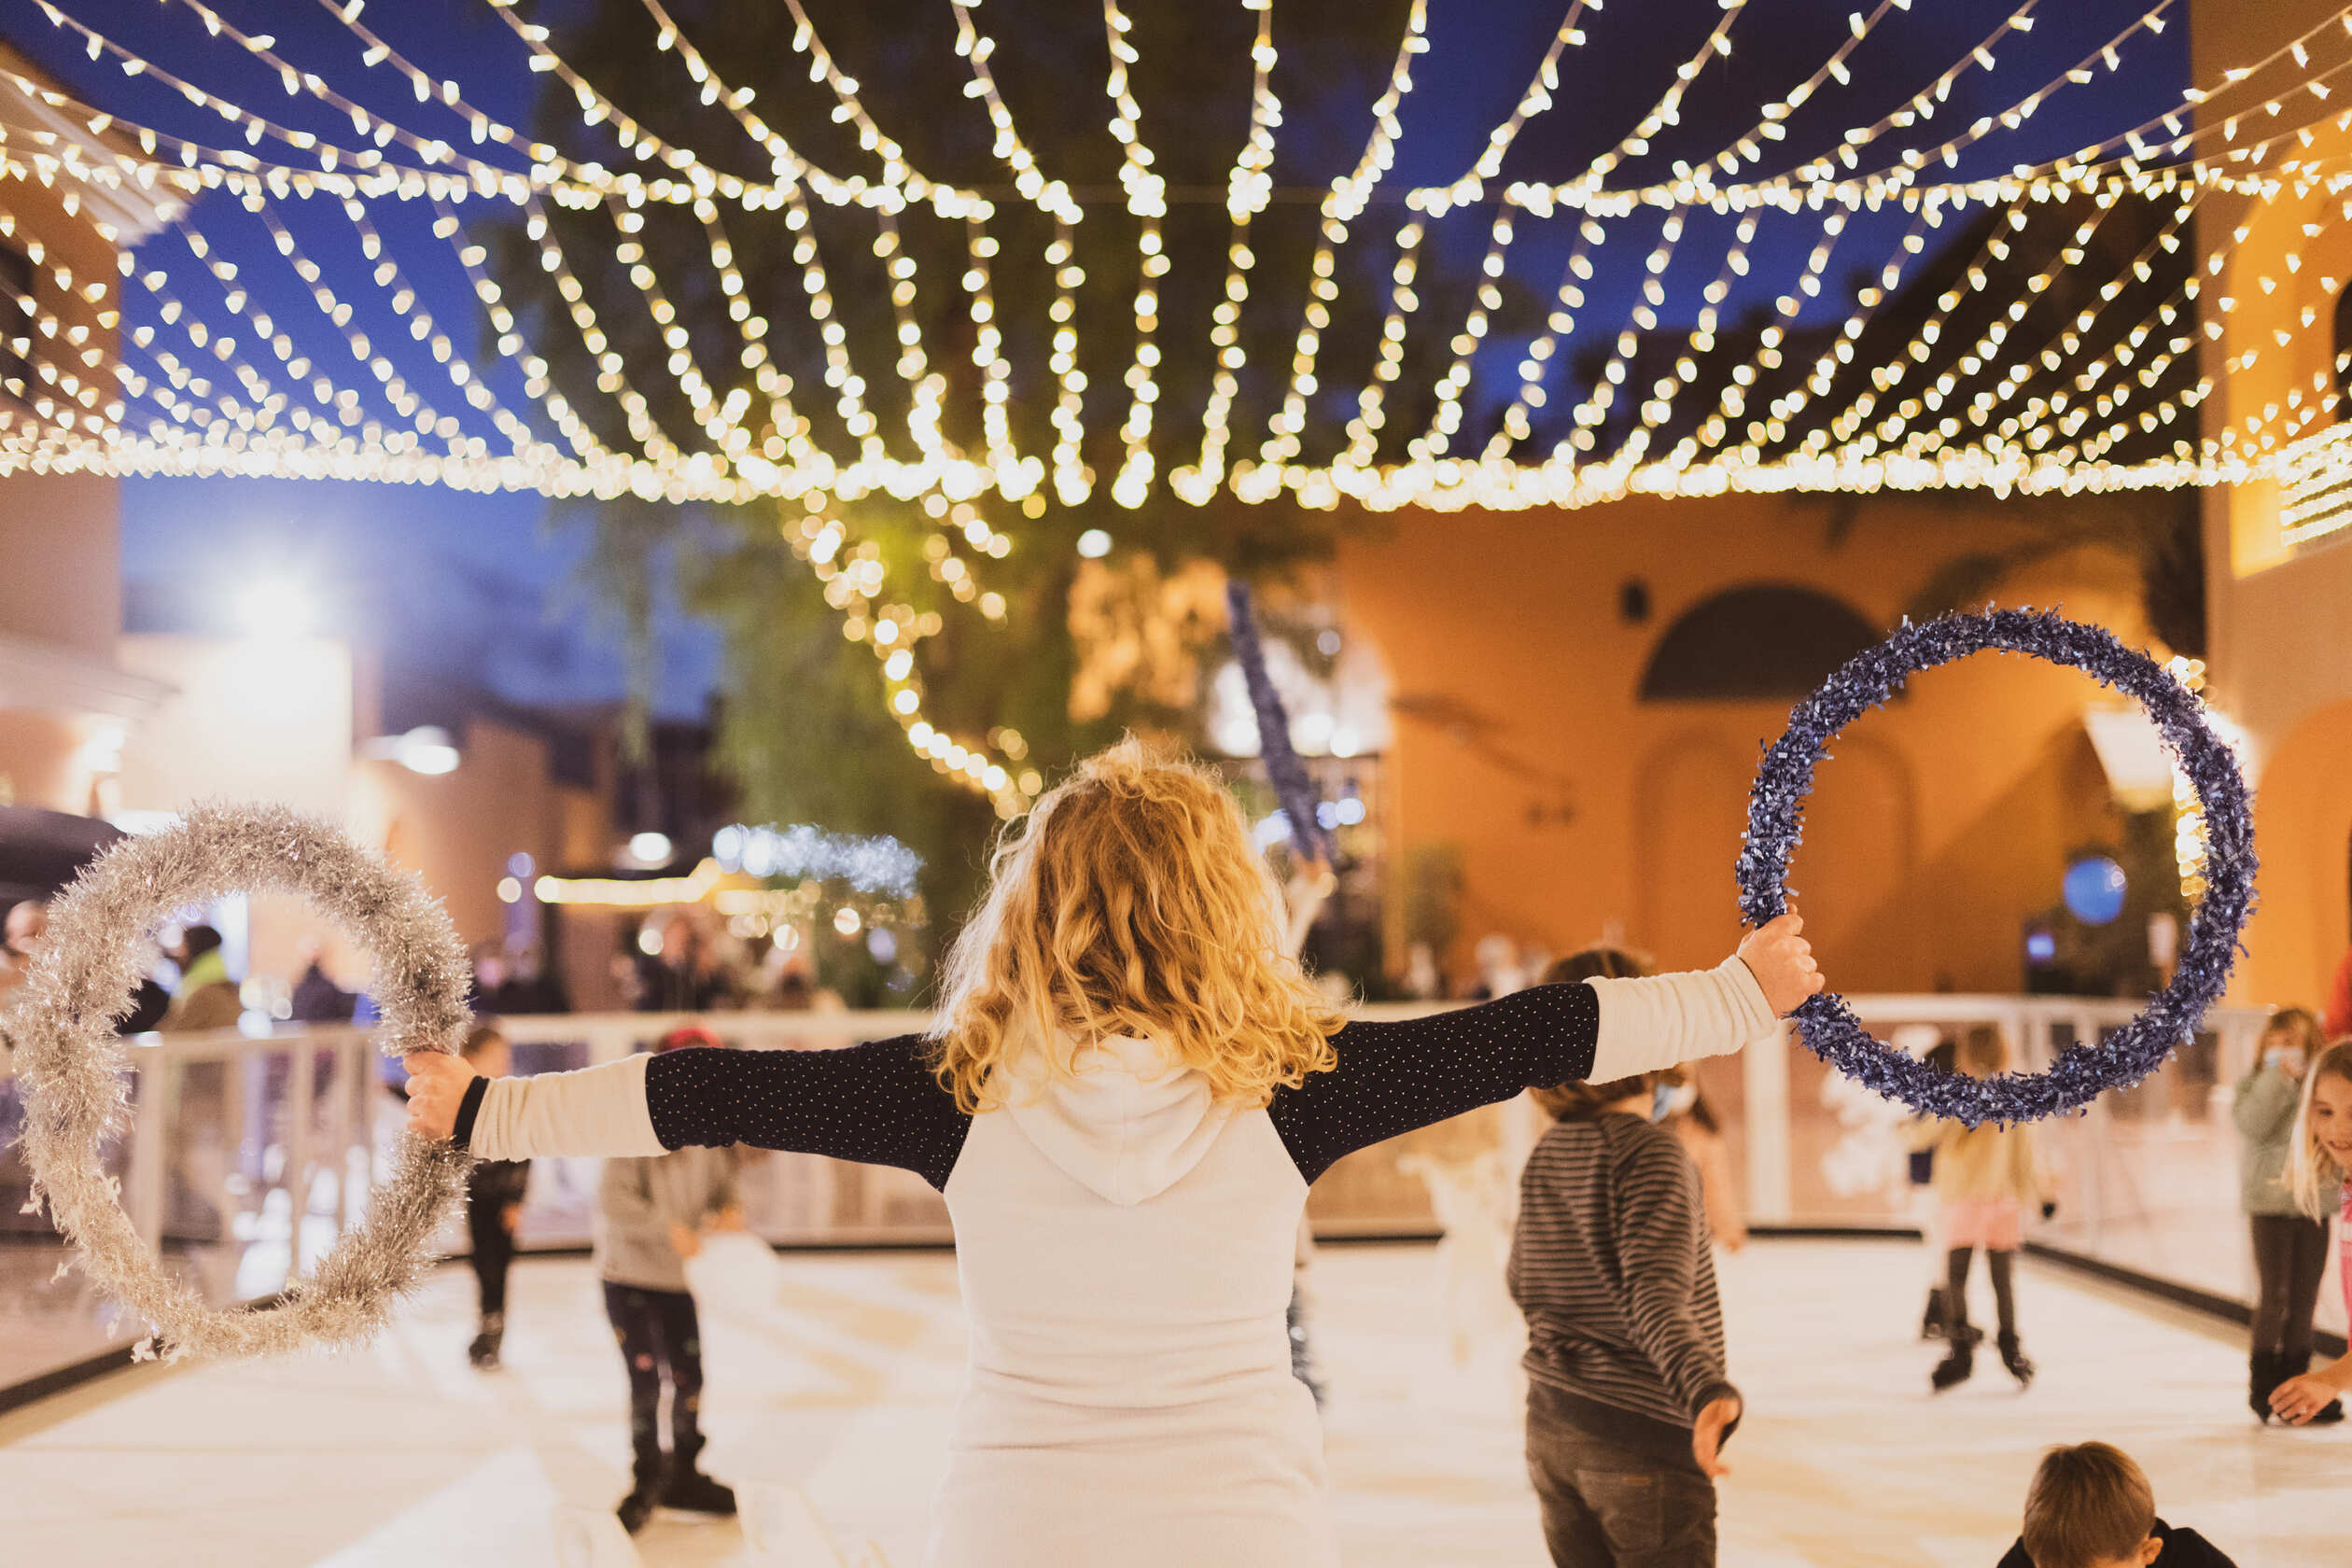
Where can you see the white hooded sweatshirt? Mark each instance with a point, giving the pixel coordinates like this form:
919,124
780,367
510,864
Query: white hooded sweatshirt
1125,1243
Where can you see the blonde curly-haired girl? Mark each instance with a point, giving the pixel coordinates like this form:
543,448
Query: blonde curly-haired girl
1129,1089
2317,1165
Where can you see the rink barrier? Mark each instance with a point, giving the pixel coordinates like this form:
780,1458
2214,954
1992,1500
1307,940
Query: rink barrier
2211,1304
238,1154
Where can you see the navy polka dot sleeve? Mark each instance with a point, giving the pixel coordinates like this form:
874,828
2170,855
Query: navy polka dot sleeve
876,1104
1394,1077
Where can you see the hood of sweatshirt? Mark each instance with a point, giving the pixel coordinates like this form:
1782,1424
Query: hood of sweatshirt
1129,1127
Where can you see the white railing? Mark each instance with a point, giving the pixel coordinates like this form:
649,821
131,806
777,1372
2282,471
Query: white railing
246,1154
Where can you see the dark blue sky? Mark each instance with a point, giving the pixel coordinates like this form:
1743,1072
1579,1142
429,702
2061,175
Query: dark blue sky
481,578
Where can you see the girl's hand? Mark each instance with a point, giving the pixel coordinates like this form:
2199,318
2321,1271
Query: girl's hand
2299,1399
686,1241
511,1217
1782,961
1706,1434
437,1083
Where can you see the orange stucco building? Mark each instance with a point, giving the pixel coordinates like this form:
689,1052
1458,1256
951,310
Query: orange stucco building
2279,555
66,703
1518,647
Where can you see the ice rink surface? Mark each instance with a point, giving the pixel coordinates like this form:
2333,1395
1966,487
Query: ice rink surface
841,1392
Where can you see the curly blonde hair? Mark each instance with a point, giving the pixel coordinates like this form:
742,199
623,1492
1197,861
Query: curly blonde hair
2312,1173
1131,902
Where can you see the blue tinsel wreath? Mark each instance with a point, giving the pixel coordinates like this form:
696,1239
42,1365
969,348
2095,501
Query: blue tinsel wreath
1829,1028
1288,775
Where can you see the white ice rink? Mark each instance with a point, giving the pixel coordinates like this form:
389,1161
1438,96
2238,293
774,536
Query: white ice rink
402,1456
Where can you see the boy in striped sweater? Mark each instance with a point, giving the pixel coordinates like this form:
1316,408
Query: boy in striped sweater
1628,1405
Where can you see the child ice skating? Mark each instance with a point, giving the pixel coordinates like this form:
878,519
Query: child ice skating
2316,1172
495,1190
651,1214
1984,1177
1129,1088
2290,1247
1628,1404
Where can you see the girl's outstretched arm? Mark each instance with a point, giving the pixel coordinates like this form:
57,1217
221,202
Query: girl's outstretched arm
1394,1077
877,1104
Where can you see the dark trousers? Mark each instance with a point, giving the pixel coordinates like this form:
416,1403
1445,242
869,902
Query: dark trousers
2290,1253
661,1341
1605,1506
2002,1267
492,1250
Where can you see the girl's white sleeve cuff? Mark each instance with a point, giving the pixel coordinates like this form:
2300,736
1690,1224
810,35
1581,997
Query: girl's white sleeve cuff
1647,1024
595,1111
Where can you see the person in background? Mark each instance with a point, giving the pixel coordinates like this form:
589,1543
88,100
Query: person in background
489,960
495,1190
1937,1319
1985,1177
2317,1168
651,1212
687,976
205,997
1684,1111
21,933
2291,1248
317,999
2090,1507
1500,972
529,988
1628,1401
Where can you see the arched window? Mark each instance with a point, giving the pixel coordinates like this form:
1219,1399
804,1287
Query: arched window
1767,640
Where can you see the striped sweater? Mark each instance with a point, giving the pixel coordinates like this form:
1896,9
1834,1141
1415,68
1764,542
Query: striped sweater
1611,1264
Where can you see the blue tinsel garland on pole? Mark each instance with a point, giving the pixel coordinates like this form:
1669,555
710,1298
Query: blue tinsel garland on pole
1291,786
2081,1071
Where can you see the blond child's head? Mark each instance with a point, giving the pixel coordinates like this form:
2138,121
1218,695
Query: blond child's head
1982,1052
1130,901
2090,1507
2321,1151
485,1049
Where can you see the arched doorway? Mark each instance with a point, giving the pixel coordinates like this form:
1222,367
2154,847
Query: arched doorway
1765,640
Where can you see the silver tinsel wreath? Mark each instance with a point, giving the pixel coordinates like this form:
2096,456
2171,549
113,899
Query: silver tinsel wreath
72,1065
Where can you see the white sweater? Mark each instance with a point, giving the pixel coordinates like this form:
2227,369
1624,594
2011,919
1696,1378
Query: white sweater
1126,1245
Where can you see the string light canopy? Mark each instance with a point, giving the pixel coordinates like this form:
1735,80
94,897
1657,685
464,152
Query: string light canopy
2028,325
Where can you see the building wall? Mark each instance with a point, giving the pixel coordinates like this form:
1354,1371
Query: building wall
61,568
60,562
458,830
41,761
2281,662
1939,823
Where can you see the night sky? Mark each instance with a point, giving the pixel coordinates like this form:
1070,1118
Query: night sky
482,580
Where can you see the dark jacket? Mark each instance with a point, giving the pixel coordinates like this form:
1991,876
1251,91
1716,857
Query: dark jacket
2183,1548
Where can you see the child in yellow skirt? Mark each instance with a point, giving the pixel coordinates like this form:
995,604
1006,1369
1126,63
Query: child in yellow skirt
1984,1177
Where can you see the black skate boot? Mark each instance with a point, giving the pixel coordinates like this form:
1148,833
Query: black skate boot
2264,1371
649,1476
484,1352
1959,1360
2014,1358
1931,1322
689,1489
